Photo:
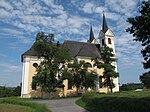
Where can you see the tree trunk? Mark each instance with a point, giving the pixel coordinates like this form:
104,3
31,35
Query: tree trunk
77,91
41,93
110,84
111,88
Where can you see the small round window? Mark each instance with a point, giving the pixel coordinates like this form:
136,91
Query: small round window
35,65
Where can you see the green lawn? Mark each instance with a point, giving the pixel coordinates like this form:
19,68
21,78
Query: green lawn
12,108
12,104
130,101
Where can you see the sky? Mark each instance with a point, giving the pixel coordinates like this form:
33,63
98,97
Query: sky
21,20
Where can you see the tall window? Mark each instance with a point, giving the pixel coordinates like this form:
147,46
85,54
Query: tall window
109,41
33,83
69,84
102,41
100,82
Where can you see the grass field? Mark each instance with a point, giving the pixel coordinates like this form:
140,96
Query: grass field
12,104
12,108
130,101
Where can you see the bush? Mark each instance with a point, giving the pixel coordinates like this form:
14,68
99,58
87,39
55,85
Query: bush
117,102
10,91
131,86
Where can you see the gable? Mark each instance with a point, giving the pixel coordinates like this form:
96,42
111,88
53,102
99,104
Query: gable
109,33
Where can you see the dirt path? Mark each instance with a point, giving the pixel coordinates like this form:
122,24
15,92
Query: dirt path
62,105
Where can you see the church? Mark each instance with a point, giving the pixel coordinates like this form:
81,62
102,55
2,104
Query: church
81,51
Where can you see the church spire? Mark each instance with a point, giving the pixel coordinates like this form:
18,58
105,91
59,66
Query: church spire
91,35
104,26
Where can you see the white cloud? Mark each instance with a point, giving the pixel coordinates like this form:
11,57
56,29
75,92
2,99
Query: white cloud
11,68
48,2
12,31
77,22
4,14
5,5
32,17
113,16
15,34
88,8
128,51
126,7
100,9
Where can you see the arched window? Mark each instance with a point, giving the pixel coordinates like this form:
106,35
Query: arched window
109,41
103,42
35,65
87,65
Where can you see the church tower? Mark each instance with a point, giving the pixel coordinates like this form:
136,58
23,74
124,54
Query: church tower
106,37
92,38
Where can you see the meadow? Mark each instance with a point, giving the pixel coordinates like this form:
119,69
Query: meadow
14,104
130,101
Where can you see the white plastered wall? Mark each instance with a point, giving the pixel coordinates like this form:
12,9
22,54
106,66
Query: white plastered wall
25,71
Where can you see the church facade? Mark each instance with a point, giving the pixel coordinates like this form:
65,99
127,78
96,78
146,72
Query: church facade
81,51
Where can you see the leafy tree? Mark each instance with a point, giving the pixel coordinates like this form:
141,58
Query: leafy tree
78,72
79,75
141,30
10,91
106,61
89,80
54,59
5,91
131,86
145,79
17,91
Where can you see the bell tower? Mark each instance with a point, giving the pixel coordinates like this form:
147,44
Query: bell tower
106,37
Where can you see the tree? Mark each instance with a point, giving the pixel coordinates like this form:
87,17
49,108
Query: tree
106,61
145,79
54,58
79,75
17,91
141,30
89,80
130,86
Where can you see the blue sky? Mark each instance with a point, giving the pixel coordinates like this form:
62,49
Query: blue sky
21,20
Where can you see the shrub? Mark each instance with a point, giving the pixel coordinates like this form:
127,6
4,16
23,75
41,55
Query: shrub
117,102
